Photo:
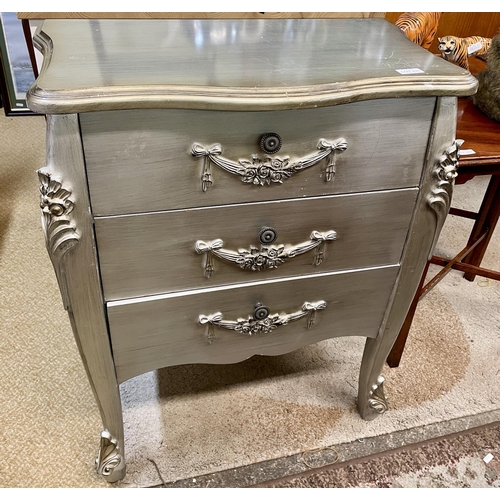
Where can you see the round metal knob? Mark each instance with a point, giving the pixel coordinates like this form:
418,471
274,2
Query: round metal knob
270,143
268,235
261,312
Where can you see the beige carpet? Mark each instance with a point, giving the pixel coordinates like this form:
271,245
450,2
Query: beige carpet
193,420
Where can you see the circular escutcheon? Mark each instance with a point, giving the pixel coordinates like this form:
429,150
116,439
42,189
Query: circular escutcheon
268,235
270,143
261,312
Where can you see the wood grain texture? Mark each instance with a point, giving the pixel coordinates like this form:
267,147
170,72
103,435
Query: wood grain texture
480,133
239,65
147,154
155,253
172,335
81,277
415,256
198,15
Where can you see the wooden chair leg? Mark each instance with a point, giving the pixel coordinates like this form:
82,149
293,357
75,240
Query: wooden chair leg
29,44
487,219
473,253
394,357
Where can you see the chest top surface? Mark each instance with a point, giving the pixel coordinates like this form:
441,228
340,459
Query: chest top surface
232,64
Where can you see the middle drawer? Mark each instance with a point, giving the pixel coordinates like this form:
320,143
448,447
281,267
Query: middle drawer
160,252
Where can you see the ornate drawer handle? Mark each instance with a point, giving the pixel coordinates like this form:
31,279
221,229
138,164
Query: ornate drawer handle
267,257
261,321
270,170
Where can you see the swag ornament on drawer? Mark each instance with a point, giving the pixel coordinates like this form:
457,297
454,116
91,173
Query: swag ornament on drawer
267,257
270,170
262,321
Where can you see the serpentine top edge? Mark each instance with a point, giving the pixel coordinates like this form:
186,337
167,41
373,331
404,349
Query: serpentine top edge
223,65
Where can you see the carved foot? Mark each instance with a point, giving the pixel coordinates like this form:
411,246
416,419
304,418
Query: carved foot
376,404
110,462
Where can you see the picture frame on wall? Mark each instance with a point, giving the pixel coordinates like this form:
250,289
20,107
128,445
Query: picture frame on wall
17,72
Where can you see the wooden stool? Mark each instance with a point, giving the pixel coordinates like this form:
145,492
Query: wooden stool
483,136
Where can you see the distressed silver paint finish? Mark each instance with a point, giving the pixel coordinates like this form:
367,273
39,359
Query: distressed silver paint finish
271,170
260,322
69,227
267,257
422,233
144,254
356,301
232,65
125,167
140,160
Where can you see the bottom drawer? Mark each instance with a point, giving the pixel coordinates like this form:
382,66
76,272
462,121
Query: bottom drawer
174,329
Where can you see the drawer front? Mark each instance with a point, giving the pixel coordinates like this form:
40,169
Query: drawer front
142,160
185,249
204,326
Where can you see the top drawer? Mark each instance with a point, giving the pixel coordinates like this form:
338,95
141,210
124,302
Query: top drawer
142,160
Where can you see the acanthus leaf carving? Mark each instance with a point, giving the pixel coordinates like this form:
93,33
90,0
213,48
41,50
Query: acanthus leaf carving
109,457
376,398
444,175
59,228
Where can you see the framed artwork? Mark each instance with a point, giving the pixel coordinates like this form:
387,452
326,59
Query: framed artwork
16,68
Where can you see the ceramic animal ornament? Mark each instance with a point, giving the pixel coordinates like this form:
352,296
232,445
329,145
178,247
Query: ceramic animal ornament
419,27
487,98
458,50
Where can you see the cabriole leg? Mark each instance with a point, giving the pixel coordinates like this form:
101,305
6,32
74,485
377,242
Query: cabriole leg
69,237
433,204
371,398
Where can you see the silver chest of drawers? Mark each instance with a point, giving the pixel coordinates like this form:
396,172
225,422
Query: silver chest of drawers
216,190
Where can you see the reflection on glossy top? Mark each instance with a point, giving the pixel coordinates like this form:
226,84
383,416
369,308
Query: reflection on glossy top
273,55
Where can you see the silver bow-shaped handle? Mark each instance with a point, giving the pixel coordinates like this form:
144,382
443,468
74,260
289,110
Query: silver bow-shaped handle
271,170
261,322
265,257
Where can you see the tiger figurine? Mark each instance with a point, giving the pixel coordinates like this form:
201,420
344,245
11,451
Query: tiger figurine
419,27
459,50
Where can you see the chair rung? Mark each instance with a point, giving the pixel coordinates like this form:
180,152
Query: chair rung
467,268
467,214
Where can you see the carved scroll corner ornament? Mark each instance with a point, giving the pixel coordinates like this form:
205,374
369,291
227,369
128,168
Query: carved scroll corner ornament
445,173
376,397
56,205
109,458
57,223
444,176
271,170
261,322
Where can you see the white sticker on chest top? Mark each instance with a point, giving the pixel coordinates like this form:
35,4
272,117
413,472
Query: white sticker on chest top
410,71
